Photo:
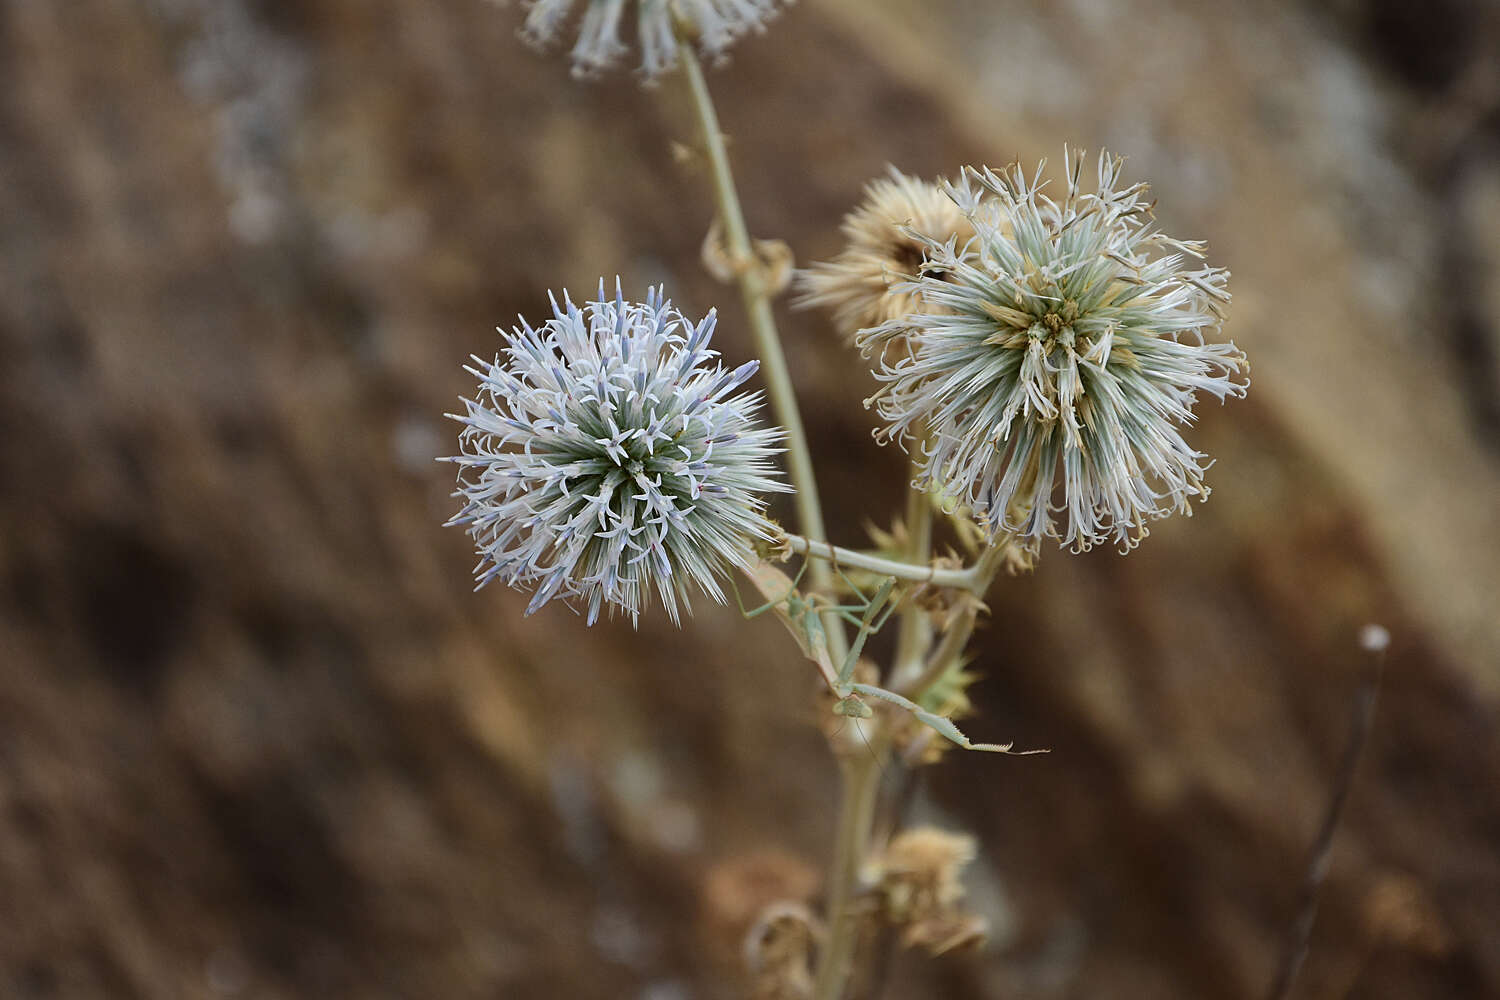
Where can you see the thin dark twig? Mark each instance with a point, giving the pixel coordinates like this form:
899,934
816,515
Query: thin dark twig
1317,868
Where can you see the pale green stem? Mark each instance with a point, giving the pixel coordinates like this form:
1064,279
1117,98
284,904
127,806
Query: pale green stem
757,301
862,782
970,579
862,778
862,770
857,807
957,636
915,636
942,659
861,773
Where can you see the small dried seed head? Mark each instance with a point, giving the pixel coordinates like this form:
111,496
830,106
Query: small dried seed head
920,868
919,880
778,950
865,284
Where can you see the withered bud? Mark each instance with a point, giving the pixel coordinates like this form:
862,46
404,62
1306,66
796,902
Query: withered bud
919,870
919,881
777,952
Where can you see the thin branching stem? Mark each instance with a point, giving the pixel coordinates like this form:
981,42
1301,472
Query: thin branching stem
915,635
948,650
959,579
951,647
1317,867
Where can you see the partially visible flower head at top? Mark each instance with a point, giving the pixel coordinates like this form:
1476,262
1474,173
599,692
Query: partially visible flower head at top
713,24
1054,360
866,284
607,455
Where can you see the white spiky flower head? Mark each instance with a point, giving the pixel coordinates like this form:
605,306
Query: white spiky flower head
607,455
1056,358
864,285
714,24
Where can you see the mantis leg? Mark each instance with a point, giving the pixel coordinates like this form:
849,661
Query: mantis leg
757,612
941,725
866,627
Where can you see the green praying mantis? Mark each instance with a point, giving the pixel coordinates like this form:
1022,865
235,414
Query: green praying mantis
803,617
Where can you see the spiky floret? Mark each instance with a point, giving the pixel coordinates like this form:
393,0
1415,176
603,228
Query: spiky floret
864,285
715,24
606,454
1054,361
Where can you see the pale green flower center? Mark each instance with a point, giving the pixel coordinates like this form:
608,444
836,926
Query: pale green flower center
1055,327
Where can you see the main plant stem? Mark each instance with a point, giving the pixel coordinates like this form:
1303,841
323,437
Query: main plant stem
757,299
860,773
860,769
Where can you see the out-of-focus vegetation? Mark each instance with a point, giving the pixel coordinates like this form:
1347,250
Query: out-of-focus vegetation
258,738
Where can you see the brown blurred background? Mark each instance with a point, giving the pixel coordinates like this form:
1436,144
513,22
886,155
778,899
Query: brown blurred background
257,737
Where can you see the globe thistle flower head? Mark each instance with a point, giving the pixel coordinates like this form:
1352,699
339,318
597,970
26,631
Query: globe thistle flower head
607,455
714,24
1055,362
866,284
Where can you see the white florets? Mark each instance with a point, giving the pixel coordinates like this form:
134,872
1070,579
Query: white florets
1054,357
715,24
606,454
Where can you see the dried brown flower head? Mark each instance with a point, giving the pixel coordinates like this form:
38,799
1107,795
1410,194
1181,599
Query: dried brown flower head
857,285
919,870
920,884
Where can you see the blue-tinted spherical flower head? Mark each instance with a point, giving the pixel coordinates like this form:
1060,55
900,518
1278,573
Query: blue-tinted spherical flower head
608,455
1054,359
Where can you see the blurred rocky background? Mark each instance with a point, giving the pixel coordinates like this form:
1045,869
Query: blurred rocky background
259,739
